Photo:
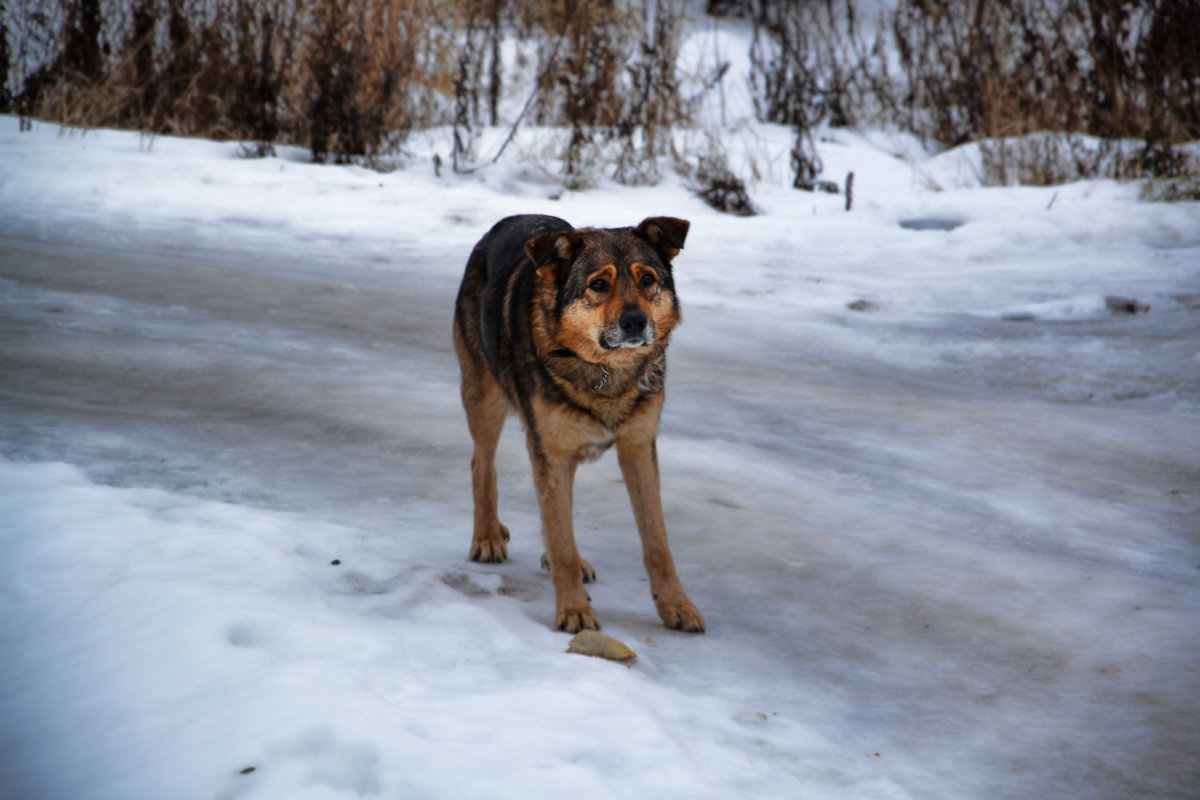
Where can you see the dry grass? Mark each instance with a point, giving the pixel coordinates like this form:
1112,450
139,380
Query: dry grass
989,70
1000,68
349,78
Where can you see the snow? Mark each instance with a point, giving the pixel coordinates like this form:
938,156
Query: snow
945,538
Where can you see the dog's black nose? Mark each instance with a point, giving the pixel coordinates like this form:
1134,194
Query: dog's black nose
633,323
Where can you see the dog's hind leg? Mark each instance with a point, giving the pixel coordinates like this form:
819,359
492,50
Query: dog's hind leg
586,570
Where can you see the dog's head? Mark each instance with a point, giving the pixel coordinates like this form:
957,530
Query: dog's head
607,294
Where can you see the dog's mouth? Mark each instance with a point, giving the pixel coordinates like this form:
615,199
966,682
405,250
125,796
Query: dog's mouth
625,342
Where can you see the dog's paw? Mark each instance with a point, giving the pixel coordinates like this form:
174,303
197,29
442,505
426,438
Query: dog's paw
589,574
490,549
574,620
682,616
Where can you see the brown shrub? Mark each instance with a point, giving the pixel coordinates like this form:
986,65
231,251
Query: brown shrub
1116,69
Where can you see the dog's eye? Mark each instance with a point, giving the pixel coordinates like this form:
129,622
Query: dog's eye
649,280
598,285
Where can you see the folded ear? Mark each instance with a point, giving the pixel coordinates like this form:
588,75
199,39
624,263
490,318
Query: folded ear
553,249
665,234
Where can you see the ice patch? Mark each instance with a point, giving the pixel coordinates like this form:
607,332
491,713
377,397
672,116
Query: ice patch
1082,307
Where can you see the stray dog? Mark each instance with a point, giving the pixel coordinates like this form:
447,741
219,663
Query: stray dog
569,329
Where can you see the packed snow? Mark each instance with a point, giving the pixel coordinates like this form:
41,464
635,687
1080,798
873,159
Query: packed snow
934,487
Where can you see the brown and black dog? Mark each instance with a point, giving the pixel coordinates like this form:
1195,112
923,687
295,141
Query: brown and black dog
569,329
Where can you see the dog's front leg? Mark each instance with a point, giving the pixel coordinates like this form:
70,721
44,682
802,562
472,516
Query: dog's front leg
639,466
554,475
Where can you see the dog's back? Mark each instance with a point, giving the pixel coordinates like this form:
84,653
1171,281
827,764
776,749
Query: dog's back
499,275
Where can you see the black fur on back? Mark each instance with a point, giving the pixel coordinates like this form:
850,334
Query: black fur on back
496,293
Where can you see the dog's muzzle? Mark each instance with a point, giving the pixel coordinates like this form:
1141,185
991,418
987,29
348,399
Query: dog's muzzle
632,329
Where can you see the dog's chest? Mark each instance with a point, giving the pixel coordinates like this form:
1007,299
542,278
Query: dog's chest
586,437
590,452
577,434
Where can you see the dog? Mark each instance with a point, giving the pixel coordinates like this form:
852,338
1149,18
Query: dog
568,328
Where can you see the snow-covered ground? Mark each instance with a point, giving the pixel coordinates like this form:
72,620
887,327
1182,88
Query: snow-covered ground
936,493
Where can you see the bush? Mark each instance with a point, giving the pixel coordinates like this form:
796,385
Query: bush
988,69
349,78
716,184
346,78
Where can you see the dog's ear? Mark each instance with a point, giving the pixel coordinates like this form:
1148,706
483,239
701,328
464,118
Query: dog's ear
665,234
555,250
